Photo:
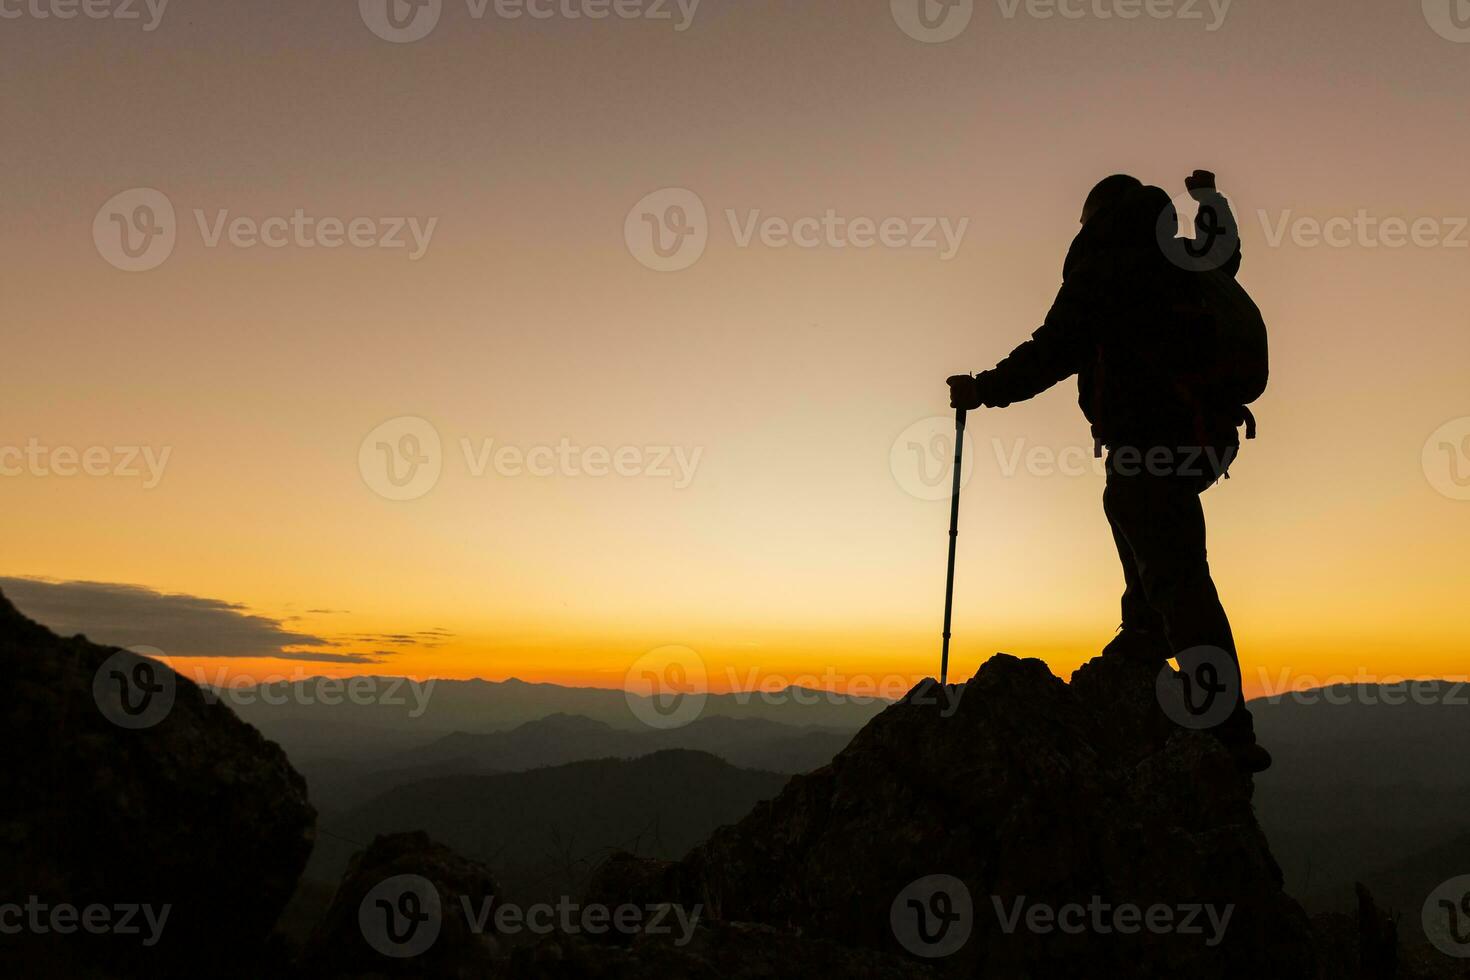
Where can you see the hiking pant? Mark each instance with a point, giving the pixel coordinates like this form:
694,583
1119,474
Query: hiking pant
1159,527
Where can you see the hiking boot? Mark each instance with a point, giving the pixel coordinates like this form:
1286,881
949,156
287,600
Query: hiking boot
1250,756
1238,734
1142,646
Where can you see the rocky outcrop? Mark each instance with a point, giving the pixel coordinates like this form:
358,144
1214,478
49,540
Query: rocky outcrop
407,907
125,788
1016,826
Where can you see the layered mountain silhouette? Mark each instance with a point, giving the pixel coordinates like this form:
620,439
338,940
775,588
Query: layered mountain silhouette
1403,884
293,713
545,830
755,743
1366,777
940,828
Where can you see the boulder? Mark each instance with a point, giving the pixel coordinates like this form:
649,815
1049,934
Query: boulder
407,906
128,788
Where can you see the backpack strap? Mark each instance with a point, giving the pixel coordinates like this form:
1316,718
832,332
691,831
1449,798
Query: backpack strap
1099,438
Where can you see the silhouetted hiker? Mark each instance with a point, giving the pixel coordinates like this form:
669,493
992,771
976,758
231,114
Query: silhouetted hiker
1165,395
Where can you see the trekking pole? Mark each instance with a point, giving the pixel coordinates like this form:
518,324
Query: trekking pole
954,534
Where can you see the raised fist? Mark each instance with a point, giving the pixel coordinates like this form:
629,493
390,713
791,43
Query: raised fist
1199,181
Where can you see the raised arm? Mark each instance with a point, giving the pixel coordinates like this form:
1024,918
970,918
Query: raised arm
1215,226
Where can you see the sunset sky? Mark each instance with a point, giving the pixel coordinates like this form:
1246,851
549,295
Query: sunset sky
781,377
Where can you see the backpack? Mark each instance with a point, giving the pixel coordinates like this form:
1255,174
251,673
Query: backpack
1205,354
1235,346
1235,341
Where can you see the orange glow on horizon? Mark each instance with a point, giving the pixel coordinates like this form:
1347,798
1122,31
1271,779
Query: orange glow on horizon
792,550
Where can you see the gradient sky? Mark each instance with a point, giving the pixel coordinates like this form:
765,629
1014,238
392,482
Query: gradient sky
794,551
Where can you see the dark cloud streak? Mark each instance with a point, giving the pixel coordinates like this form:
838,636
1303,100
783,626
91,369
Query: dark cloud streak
178,625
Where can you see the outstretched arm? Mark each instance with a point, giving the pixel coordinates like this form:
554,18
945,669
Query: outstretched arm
1055,352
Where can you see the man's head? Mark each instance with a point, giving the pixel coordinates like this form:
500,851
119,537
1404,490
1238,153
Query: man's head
1109,191
1121,213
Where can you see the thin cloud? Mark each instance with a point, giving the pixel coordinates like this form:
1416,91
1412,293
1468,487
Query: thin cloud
336,658
178,625
427,639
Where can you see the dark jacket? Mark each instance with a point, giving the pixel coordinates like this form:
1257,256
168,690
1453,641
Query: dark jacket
1122,323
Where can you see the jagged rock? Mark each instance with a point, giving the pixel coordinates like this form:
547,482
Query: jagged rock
189,808
407,907
1022,788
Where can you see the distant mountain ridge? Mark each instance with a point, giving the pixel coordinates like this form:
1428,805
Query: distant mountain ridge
1404,884
561,738
295,715
544,830
558,739
1366,777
